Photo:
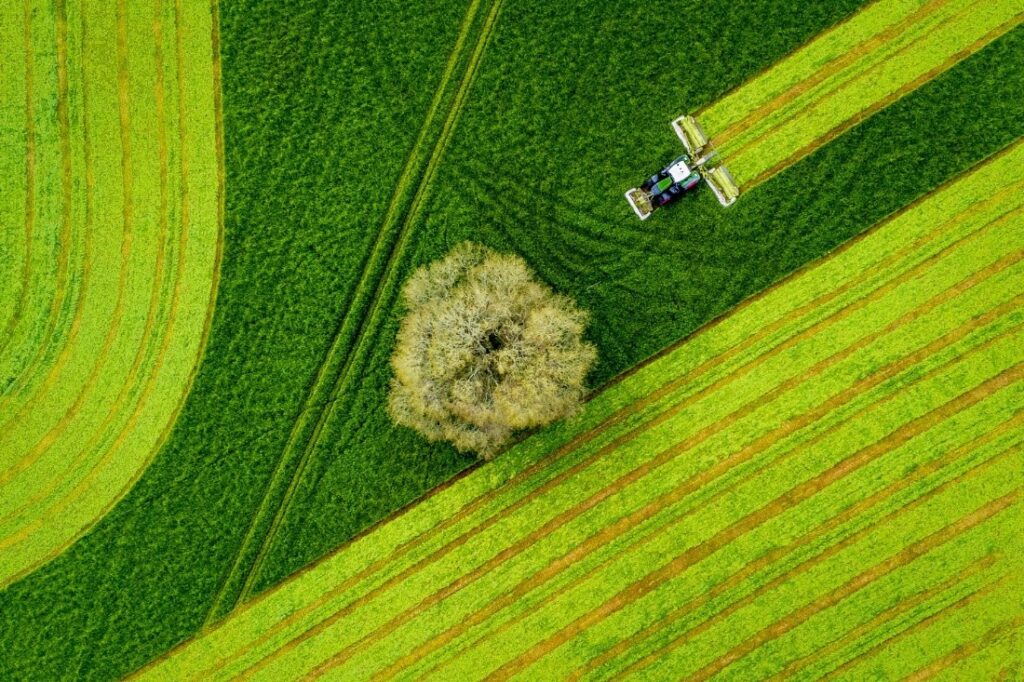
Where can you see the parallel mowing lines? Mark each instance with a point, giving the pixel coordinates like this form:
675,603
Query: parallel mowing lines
827,71
901,607
758,517
630,521
670,498
864,114
681,638
883,568
380,251
30,174
480,500
770,558
964,651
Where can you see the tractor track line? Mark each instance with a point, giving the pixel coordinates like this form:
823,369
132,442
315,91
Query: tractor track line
920,625
771,557
866,74
893,97
30,175
622,414
366,322
760,516
850,513
629,521
903,558
359,601
632,520
967,650
832,68
337,346
899,608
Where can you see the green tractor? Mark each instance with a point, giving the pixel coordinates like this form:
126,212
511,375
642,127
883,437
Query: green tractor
700,162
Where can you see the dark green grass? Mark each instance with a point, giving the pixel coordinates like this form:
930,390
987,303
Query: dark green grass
565,115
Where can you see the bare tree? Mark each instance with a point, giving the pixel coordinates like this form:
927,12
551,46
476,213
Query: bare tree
485,350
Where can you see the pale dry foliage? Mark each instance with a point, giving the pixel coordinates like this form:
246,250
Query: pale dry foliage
485,350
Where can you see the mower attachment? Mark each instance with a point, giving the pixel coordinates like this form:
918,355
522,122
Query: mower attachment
640,202
690,134
721,182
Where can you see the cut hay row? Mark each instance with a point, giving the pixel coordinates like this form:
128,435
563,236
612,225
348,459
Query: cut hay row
914,366
852,71
126,220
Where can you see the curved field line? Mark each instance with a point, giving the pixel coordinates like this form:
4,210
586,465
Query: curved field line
833,68
771,557
761,515
898,94
390,256
620,415
65,238
148,337
894,562
916,627
628,522
900,608
30,173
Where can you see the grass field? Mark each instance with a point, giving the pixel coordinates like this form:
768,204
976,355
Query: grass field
506,124
826,480
112,217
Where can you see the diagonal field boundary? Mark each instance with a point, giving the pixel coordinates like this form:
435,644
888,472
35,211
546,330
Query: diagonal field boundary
357,322
367,628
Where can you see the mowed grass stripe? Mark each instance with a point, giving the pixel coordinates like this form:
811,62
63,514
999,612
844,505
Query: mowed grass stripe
123,415
257,541
631,521
301,610
864,512
659,528
768,158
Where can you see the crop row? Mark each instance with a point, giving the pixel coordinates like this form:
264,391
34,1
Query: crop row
120,204
915,359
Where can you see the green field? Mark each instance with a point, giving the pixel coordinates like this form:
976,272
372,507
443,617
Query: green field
845,449
361,141
114,247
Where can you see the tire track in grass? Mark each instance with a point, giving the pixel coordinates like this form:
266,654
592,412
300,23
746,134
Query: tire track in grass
833,68
964,651
901,607
627,522
894,562
760,516
774,555
383,255
747,451
611,533
401,576
886,101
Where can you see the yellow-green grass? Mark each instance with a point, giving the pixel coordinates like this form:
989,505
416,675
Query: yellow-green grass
112,127
846,74
856,431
